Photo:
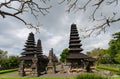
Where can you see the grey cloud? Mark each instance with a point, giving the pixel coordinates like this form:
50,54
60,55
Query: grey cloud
54,32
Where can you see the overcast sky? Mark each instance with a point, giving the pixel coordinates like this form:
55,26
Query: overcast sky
54,32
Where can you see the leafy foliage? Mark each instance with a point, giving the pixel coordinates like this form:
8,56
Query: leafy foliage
63,55
106,59
110,55
114,47
117,58
7,62
3,54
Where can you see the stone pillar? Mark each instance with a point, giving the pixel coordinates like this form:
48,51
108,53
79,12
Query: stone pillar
35,72
21,69
51,65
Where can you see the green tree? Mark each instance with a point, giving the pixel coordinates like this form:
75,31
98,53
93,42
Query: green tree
110,55
116,36
106,59
63,55
13,61
100,55
114,46
3,54
7,62
94,53
117,58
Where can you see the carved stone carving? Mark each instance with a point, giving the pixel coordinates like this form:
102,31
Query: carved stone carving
34,67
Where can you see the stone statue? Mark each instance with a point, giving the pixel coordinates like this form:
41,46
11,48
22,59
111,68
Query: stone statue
21,69
34,67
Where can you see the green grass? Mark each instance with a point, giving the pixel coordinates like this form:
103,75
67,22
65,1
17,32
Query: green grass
7,71
108,68
116,78
89,76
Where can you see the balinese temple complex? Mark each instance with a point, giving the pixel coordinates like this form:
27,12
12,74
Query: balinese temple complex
75,57
34,63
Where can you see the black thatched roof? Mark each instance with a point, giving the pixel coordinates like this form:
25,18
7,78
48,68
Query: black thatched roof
77,56
29,53
30,46
31,49
26,58
29,57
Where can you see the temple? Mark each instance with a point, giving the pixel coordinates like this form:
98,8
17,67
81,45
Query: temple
33,62
75,57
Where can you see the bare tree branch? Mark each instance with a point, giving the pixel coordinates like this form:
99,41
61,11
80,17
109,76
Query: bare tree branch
78,5
102,27
23,6
98,5
84,7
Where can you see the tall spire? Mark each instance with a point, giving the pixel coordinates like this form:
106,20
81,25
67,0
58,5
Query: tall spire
39,46
74,43
30,46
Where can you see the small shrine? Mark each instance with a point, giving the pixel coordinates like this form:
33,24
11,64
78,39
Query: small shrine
33,62
51,68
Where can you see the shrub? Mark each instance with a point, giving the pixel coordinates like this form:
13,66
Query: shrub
89,76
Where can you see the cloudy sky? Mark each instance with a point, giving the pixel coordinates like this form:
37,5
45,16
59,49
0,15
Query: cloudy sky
54,31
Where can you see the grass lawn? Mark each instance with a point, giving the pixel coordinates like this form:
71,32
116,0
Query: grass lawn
116,78
108,68
8,71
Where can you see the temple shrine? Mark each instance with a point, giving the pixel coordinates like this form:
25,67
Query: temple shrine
33,62
75,57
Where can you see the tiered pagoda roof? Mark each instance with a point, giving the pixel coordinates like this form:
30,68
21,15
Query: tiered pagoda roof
40,52
39,47
31,49
75,45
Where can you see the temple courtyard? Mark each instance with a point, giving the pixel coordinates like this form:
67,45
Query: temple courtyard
58,74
